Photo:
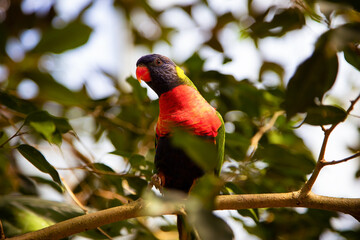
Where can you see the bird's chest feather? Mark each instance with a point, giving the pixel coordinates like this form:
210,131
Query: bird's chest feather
183,106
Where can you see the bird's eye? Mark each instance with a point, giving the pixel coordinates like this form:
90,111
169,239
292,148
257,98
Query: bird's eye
158,62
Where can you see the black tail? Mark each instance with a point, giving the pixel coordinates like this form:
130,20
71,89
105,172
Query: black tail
185,231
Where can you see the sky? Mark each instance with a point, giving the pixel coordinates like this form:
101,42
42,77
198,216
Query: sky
109,48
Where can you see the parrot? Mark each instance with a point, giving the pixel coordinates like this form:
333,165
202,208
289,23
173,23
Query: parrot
180,106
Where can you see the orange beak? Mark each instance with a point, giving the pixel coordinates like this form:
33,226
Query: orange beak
142,73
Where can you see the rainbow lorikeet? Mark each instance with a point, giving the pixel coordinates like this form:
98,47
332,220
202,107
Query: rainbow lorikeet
181,105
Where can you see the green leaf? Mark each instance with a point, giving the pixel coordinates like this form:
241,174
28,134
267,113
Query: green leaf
137,160
52,184
27,221
206,189
120,139
201,151
357,174
284,20
46,128
352,56
253,213
138,184
346,35
273,67
21,214
281,156
103,167
298,226
71,36
323,115
38,160
108,181
139,92
54,211
16,104
122,153
62,124
49,126
312,79
56,138
194,66
353,3
243,96
316,75
285,168
208,225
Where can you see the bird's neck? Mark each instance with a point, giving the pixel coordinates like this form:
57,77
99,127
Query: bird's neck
180,98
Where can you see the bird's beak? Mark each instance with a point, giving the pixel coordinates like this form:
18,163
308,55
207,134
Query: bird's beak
142,73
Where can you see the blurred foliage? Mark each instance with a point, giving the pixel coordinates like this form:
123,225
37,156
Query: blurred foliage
127,119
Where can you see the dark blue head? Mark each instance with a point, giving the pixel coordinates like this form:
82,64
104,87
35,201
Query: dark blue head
159,72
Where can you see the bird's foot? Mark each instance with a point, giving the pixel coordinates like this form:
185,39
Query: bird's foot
158,181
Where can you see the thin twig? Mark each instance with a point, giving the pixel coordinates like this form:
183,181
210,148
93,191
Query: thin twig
112,195
95,170
17,134
254,142
342,160
2,233
77,153
76,200
104,233
305,190
72,195
15,113
143,224
355,116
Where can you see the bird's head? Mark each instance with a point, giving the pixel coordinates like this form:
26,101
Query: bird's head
160,73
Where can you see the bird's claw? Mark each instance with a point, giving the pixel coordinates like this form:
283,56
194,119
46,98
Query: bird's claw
158,181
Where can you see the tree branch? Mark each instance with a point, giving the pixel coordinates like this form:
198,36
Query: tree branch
305,190
342,160
142,208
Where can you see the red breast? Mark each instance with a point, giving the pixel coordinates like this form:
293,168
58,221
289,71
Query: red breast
184,106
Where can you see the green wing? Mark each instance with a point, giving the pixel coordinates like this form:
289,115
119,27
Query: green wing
220,143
